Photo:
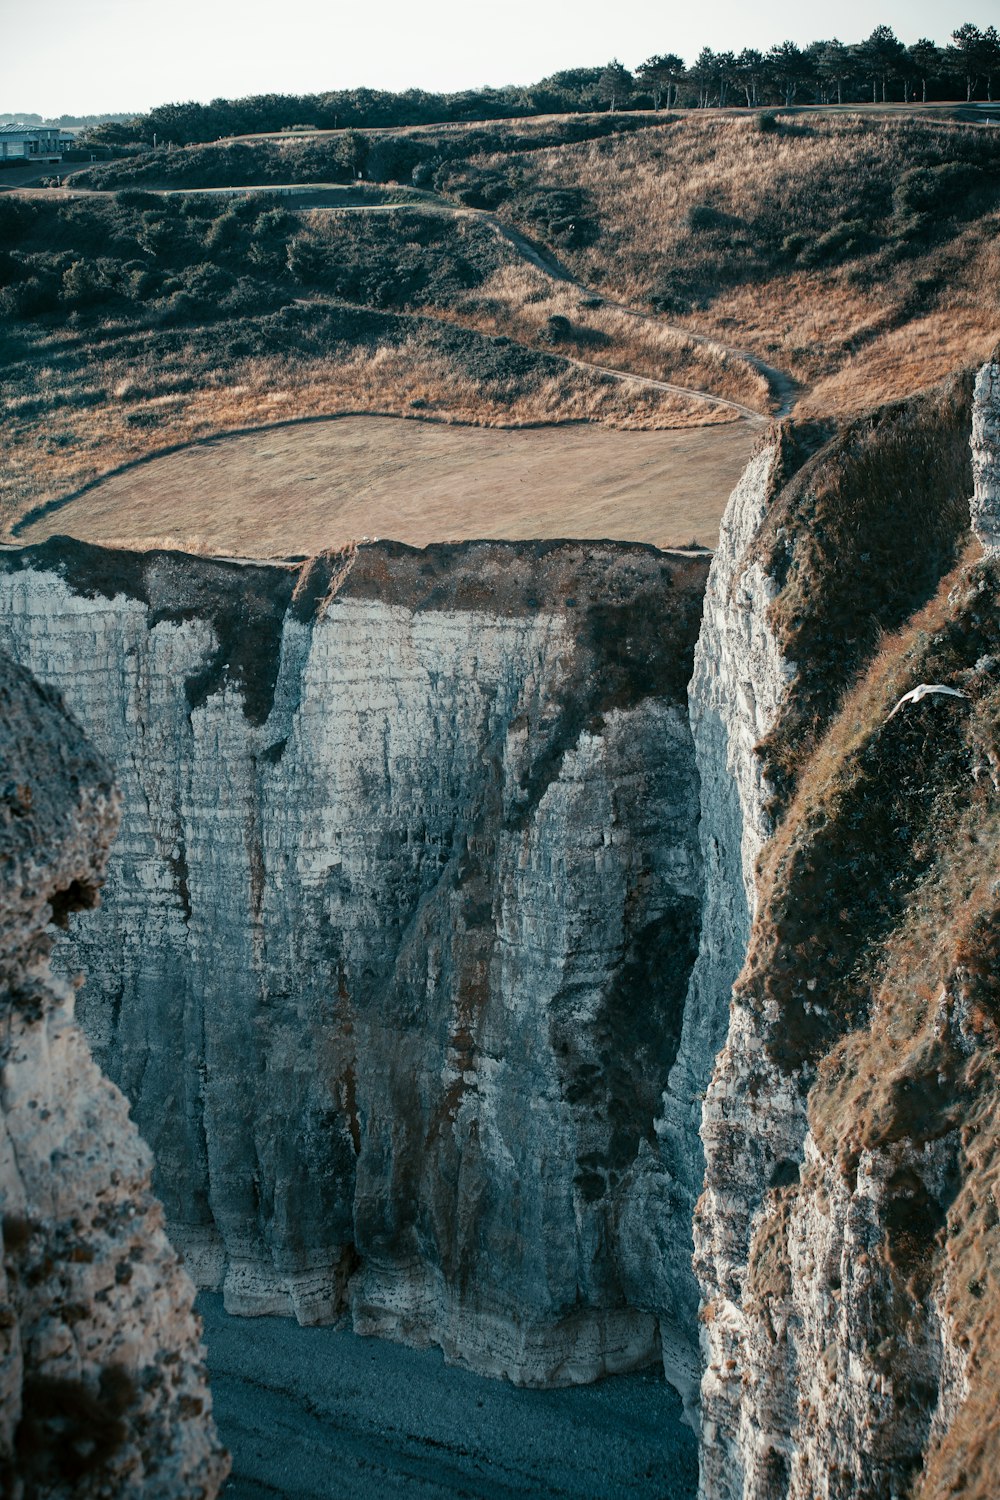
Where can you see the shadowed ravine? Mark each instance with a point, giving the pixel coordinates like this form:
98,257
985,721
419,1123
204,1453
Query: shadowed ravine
319,1414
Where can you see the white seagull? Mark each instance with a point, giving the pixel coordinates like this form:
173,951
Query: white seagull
915,694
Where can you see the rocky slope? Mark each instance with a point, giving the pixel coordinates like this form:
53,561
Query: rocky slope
846,1236
102,1389
395,942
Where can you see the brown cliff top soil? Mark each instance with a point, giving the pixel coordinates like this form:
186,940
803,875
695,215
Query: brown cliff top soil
637,609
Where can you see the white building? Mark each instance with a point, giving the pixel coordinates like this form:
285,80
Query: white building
41,143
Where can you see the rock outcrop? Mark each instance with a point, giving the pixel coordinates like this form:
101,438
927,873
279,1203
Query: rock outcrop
102,1389
986,456
394,946
738,680
846,1237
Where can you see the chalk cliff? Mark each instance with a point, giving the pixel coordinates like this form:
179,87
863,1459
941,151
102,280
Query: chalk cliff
102,1390
395,942
445,913
847,1235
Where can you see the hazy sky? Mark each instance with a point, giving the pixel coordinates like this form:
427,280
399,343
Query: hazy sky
88,56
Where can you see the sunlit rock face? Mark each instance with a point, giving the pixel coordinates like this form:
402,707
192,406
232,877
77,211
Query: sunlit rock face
738,680
102,1389
395,942
986,455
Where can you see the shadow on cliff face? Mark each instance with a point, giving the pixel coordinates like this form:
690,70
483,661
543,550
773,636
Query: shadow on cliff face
849,1233
422,827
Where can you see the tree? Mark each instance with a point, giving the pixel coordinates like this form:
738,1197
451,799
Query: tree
880,56
966,55
989,58
660,75
704,74
725,71
750,71
835,65
614,84
788,68
927,61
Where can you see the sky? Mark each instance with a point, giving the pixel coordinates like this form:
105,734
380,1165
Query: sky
94,56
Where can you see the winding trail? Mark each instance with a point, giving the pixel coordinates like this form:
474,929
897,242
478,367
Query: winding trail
783,388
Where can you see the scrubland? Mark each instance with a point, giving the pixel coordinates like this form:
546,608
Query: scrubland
135,322
860,254
832,262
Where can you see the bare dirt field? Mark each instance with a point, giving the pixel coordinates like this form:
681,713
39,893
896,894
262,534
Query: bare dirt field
306,486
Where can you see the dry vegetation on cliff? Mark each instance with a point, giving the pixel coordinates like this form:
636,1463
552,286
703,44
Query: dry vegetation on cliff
859,253
130,324
873,968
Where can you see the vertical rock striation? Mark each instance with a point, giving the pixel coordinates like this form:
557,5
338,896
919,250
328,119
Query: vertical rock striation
394,947
986,455
738,680
842,1239
102,1390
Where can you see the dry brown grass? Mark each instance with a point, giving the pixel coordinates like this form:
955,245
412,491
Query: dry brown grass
83,413
308,487
841,326
518,299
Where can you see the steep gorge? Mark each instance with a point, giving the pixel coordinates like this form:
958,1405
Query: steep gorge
394,946
418,946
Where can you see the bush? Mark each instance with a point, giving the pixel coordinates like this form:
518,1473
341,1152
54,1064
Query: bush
844,241
702,216
936,191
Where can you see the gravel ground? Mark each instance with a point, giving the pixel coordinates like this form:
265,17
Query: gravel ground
320,1414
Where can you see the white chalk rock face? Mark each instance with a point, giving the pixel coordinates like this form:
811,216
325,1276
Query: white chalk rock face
830,1366
986,456
738,681
102,1388
394,947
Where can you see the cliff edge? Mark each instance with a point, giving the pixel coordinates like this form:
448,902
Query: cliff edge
847,1234
102,1389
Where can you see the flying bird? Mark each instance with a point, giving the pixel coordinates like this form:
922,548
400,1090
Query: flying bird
915,694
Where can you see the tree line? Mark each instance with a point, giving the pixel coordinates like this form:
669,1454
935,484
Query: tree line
880,68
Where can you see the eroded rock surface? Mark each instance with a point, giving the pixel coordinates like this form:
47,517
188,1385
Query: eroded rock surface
848,1231
395,942
986,455
739,678
102,1388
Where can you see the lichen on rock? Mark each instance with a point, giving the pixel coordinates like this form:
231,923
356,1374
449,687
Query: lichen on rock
102,1388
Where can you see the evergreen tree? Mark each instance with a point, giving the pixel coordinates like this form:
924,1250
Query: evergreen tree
928,62
880,56
660,75
966,56
614,84
788,68
750,71
835,65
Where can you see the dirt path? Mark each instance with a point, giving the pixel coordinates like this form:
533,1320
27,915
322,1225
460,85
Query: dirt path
783,388
309,485
330,196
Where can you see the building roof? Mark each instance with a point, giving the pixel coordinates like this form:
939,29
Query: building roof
46,130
